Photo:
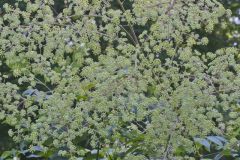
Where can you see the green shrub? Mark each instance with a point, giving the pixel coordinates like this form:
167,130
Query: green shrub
116,79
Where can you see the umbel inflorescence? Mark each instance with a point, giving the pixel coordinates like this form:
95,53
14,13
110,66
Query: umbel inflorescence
125,76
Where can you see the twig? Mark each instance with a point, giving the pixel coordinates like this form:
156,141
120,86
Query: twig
170,7
98,148
130,36
130,26
159,4
155,5
169,140
40,82
206,155
206,77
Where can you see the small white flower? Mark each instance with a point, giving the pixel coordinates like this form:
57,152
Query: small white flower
94,151
93,22
82,44
70,43
15,158
235,20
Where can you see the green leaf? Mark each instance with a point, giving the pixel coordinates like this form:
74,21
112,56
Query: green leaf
215,140
6,154
82,98
180,151
221,139
218,156
203,142
226,152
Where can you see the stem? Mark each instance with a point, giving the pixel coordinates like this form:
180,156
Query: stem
129,25
135,43
98,148
170,7
40,82
169,140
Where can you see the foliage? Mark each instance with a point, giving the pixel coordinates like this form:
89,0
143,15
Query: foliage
226,33
117,79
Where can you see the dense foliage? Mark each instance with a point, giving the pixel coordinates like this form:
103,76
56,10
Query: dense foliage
118,79
227,32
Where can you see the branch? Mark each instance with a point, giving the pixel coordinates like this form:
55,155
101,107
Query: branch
130,26
169,139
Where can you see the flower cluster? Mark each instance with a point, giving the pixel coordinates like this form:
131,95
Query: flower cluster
124,76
